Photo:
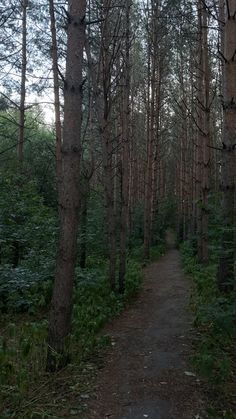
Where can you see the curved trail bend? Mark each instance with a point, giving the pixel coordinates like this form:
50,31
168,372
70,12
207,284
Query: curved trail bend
146,373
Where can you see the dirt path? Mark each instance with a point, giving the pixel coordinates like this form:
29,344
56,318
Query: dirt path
145,372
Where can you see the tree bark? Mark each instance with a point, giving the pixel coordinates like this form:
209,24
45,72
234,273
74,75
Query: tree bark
153,101
200,133
84,213
56,87
102,101
61,305
226,261
125,153
20,150
206,140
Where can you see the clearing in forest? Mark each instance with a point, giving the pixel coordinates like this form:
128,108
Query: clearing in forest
147,372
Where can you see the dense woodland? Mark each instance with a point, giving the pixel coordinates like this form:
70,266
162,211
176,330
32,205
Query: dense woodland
117,123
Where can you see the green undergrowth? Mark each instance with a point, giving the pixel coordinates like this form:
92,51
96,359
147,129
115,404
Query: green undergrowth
215,321
156,252
26,391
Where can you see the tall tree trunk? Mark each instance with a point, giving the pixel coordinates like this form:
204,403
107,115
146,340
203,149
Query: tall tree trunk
87,173
184,147
56,87
125,153
151,128
147,185
61,305
206,140
226,262
103,105
83,228
20,150
200,134
107,54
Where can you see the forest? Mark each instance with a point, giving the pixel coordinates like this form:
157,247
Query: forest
117,209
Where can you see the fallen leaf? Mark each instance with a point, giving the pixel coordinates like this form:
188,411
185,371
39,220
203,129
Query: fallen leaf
84,396
74,412
189,374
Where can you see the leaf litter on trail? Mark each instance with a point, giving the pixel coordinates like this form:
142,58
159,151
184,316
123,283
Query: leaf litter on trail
189,374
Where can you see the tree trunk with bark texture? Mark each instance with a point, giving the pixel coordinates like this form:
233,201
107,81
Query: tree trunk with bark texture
200,134
101,84
20,149
226,262
84,213
206,139
61,305
153,102
56,87
125,153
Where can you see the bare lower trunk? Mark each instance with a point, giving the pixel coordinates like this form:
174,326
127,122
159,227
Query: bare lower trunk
61,305
83,247
111,222
123,226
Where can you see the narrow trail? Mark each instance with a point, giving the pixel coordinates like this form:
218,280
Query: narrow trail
145,372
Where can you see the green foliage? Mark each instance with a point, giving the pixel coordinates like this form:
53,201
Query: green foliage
157,251
23,290
134,278
23,347
22,358
165,217
215,320
136,234
27,237
94,305
39,154
136,253
95,234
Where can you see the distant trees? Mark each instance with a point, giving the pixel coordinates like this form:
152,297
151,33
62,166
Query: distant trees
210,150
138,120
157,68
25,37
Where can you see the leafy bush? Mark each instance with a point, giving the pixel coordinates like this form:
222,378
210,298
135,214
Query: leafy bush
134,278
215,319
94,305
23,347
27,236
23,290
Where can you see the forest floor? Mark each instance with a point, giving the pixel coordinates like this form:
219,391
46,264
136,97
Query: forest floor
147,372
